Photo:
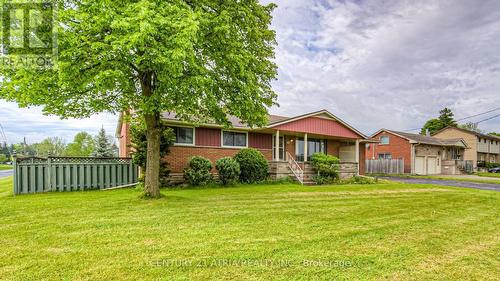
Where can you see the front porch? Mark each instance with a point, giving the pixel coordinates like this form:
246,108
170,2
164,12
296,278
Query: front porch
292,152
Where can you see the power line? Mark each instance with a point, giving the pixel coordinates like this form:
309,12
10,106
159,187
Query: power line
472,116
3,133
468,117
489,118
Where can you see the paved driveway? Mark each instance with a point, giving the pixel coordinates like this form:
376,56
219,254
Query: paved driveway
6,173
483,186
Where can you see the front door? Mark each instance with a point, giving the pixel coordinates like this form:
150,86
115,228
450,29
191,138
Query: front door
282,148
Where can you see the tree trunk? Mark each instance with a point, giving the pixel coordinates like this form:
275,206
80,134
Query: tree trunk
152,175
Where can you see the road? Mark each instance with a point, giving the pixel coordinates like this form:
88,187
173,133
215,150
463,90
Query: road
483,186
5,173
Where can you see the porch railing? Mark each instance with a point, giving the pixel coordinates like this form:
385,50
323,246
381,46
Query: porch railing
295,167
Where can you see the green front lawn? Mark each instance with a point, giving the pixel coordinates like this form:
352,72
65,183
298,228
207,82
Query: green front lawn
491,175
451,178
5,167
275,232
448,178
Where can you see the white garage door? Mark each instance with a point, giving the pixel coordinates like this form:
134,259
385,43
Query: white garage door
432,166
420,165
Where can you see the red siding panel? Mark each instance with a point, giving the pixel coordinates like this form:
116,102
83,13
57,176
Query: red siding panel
319,126
260,141
208,137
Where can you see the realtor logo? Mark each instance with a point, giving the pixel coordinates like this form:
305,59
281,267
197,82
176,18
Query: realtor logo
28,37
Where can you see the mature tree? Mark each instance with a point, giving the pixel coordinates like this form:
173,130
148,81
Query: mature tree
82,145
431,126
471,126
138,137
203,60
444,120
3,158
53,146
103,147
4,149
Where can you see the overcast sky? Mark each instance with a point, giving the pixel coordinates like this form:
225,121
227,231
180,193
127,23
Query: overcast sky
391,64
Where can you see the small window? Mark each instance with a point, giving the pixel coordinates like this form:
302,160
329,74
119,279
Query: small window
384,140
384,156
234,139
184,135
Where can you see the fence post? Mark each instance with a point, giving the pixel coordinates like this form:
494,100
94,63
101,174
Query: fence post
15,175
49,173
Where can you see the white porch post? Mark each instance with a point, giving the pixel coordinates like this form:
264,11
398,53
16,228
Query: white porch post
357,155
277,146
305,148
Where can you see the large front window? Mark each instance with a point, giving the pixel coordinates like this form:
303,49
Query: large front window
235,139
313,146
184,135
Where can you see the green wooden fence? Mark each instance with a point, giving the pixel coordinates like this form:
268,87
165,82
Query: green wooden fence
35,175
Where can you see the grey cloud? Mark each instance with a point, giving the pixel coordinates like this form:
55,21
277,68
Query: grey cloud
389,63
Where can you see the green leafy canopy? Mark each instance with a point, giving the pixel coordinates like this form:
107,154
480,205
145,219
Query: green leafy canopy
201,59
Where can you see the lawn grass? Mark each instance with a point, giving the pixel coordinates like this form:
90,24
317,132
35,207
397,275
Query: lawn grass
491,175
451,178
5,167
275,232
440,177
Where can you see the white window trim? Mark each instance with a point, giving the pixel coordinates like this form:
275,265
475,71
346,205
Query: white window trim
186,144
231,146
388,140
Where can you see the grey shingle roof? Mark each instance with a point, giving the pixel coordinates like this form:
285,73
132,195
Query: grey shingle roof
235,122
427,139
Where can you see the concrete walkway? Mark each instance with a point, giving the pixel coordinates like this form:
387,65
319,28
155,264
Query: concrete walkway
6,173
483,186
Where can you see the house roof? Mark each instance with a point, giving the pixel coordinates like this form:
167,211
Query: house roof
273,120
481,135
416,138
322,112
235,121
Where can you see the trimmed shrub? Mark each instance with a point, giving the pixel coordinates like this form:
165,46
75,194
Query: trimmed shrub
359,180
326,167
490,165
228,169
253,165
198,171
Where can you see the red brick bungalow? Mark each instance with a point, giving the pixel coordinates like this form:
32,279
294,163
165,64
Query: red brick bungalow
297,138
422,155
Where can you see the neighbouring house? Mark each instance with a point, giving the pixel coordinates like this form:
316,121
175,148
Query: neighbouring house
286,142
422,155
483,148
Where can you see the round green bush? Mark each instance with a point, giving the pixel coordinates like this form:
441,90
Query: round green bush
198,171
228,169
327,167
253,165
